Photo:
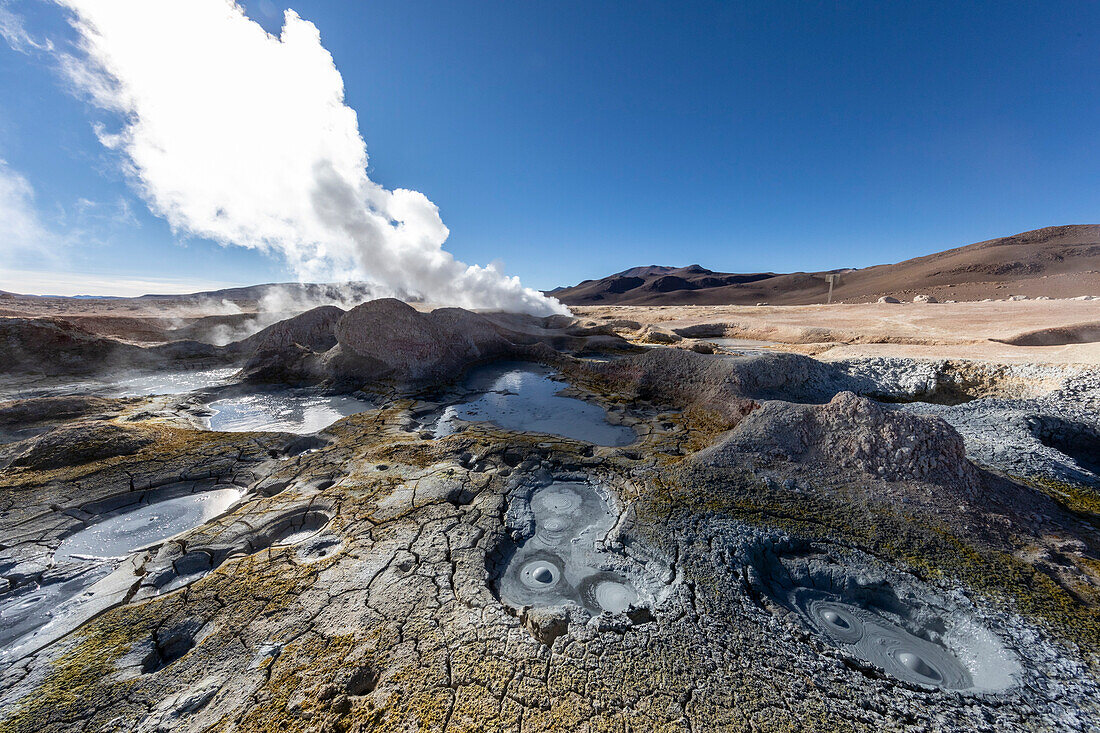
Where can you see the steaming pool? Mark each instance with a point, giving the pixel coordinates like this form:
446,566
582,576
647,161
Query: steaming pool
125,384
525,398
282,411
142,385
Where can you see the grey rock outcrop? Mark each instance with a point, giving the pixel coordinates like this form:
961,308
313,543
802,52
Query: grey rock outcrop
389,343
854,432
76,444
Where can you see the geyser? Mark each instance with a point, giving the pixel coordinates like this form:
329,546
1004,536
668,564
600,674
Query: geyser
242,137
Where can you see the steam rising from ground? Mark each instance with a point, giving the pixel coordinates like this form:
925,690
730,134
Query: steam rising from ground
243,137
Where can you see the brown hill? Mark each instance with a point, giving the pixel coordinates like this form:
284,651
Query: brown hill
1057,262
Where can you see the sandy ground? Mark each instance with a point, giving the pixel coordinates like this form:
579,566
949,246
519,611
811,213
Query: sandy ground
919,330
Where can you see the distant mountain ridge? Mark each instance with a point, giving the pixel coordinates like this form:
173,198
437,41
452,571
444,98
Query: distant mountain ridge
1062,261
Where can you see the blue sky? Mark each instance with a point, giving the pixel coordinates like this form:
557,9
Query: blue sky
570,140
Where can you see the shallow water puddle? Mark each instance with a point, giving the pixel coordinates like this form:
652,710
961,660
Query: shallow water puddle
282,411
562,562
141,385
30,606
747,347
119,535
524,398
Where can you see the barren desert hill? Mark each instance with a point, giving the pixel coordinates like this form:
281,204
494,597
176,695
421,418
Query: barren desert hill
1056,262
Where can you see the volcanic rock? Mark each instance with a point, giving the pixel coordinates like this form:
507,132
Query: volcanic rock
73,445
855,432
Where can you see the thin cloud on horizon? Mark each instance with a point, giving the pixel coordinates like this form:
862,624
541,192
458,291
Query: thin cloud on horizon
42,282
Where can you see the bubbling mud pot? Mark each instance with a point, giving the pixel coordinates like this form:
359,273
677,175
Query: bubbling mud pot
896,625
872,639
564,561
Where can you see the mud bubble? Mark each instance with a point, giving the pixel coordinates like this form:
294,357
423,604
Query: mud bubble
564,560
893,623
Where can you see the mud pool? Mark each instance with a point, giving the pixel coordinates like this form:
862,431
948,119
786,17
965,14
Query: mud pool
525,398
896,625
30,606
282,411
563,561
119,535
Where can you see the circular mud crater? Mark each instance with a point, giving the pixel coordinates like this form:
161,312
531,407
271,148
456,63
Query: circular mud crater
888,621
564,561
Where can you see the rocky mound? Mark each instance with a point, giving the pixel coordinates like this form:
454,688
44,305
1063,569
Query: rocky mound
687,379
388,342
857,433
53,346
76,444
43,409
392,340
314,330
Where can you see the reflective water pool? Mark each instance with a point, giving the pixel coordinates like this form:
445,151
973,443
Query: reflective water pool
748,347
147,524
283,411
524,397
140,385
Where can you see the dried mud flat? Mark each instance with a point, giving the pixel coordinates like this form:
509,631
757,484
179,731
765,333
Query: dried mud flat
712,535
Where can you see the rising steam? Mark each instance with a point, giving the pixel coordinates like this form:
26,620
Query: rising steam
237,135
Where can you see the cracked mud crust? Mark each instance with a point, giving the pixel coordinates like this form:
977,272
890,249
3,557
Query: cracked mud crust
354,586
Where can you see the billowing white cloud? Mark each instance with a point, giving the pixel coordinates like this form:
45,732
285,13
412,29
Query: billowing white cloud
244,137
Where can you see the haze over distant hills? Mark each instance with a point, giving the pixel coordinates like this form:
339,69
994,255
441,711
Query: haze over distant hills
1058,262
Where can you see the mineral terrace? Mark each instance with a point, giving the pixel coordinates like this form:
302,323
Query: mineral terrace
390,519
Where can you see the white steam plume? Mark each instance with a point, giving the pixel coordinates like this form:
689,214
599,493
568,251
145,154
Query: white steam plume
243,137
